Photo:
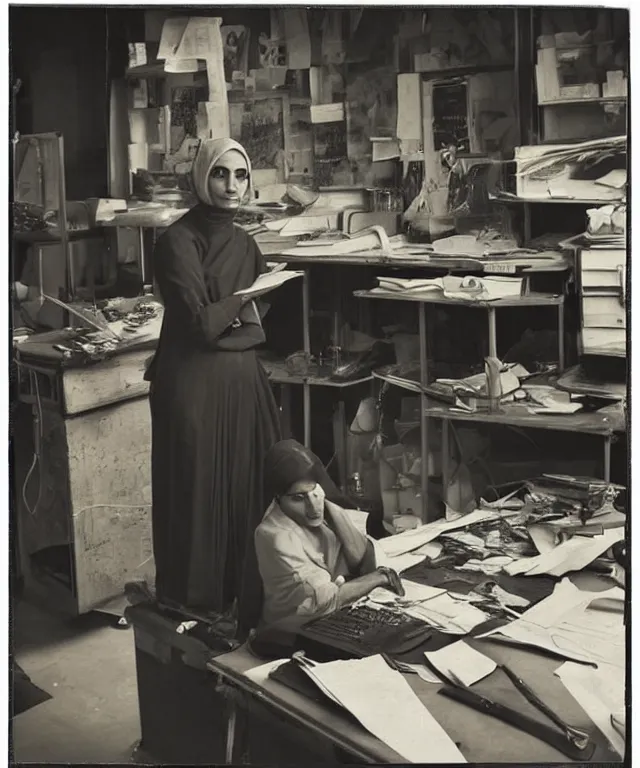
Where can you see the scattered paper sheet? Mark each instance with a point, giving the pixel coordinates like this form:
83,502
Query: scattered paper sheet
138,156
303,225
564,624
616,178
385,150
572,555
424,673
409,125
296,29
466,664
384,703
173,31
179,66
400,562
543,537
327,113
261,673
411,540
600,692
368,240
446,613
218,118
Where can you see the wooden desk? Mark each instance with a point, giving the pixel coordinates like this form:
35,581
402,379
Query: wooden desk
481,738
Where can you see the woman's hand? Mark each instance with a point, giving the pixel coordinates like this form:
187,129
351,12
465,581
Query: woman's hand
391,580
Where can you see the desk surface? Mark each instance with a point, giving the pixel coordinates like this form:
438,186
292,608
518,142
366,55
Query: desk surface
481,738
530,300
273,251
604,422
279,374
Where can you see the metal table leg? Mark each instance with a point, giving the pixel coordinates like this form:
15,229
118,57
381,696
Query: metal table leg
493,340
424,442
608,440
306,389
561,338
445,459
231,733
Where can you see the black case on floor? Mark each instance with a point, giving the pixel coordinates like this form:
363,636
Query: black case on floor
182,718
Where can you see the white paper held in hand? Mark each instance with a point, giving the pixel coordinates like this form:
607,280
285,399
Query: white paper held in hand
268,281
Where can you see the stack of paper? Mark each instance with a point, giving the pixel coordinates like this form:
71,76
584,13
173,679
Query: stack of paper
384,703
412,540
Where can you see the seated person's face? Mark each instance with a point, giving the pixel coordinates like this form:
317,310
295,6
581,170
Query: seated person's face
304,503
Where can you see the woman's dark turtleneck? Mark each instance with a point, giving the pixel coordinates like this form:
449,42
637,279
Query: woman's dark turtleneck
216,217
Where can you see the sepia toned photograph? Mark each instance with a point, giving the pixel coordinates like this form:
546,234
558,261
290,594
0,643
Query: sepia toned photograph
319,380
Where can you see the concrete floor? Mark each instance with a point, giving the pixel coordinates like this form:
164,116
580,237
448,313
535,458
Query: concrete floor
88,667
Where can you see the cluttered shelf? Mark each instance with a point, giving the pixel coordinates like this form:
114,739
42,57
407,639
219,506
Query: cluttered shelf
157,69
606,421
279,374
587,100
531,300
52,236
428,261
506,197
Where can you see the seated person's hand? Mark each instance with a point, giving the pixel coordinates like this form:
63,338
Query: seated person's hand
393,581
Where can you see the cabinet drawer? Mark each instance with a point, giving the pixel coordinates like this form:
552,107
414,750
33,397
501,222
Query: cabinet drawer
604,341
603,312
602,260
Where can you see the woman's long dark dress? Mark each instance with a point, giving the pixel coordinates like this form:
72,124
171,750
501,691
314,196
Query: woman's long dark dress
213,415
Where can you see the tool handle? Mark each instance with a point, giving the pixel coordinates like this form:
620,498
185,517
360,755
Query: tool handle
532,697
518,720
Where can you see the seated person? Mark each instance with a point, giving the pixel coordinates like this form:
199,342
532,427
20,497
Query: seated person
311,557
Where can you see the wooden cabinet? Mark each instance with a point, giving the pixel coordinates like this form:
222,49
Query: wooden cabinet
603,301
83,479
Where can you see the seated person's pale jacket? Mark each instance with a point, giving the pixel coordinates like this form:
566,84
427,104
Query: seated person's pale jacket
299,571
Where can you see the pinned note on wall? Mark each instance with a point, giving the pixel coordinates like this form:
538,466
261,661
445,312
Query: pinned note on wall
409,125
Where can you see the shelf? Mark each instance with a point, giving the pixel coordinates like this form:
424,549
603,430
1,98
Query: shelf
552,200
397,381
46,236
278,374
444,263
589,100
469,69
519,416
532,300
156,69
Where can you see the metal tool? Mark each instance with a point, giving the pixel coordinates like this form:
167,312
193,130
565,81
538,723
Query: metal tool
573,742
576,736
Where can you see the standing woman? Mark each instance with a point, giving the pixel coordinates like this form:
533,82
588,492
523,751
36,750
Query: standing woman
213,413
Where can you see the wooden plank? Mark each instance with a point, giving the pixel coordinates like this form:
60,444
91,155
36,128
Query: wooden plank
108,382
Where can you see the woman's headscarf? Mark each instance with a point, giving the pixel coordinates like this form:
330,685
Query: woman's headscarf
209,152
288,462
